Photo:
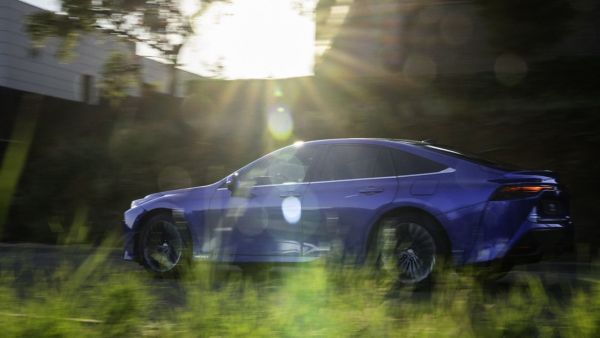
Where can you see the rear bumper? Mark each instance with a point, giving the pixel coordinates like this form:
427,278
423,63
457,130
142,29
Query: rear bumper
531,241
541,243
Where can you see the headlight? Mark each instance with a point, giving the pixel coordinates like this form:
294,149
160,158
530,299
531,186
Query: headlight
136,203
145,199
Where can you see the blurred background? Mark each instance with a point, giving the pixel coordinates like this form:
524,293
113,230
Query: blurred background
104,102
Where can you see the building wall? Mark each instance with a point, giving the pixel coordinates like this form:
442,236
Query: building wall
157,76
37,70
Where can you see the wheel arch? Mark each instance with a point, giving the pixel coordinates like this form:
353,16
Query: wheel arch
405,211
148,214
177,216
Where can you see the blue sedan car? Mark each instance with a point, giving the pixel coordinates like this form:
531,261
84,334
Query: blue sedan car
401,205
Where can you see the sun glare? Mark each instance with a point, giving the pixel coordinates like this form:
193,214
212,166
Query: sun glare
253,39
244,39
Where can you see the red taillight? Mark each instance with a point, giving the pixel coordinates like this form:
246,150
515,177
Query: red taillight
520,191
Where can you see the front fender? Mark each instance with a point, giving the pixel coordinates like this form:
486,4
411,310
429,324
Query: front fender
132,220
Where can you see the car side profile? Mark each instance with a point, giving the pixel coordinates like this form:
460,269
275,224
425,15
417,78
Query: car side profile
400,205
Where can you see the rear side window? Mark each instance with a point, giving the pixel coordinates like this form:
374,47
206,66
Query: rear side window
409,164
473,158
344,162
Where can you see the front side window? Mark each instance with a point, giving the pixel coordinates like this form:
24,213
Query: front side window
288,165
345,162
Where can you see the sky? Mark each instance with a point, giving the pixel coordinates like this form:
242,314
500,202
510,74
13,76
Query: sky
45,4
245,39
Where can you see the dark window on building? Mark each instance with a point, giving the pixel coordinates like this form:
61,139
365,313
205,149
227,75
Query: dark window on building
87,88
344,162
409,164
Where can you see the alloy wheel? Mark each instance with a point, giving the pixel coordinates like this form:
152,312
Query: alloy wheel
408,252
162,246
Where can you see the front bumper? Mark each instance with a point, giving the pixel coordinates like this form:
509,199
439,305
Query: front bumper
128,225
128,241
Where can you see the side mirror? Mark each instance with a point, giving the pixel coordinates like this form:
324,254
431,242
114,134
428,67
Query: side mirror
232,182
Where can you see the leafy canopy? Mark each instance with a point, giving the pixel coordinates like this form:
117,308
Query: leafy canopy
159,24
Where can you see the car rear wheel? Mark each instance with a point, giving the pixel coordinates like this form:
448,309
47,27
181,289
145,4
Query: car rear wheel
409,249
163,247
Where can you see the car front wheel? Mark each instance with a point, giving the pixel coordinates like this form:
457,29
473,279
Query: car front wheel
162,246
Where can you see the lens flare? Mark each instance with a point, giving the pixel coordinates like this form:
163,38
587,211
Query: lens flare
280,123
291,209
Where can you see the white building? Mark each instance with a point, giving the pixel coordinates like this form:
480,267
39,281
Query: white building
37,70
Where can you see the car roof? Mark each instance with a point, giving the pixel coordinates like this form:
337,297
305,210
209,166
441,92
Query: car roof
368,141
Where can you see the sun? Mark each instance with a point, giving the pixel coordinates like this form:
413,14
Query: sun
253,39
245,39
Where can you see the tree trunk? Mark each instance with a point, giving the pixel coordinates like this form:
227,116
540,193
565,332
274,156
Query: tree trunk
173,69
173,79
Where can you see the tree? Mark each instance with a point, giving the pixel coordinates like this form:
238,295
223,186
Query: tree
527,26
158,24
119,75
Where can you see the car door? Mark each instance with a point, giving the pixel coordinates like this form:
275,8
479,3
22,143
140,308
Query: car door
353,182
261,217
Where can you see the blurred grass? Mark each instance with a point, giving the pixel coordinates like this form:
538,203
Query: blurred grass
94,300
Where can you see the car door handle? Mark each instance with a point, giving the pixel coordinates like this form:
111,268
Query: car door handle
289,194
370,190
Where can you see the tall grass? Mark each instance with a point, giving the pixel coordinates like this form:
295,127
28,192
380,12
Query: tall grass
94,300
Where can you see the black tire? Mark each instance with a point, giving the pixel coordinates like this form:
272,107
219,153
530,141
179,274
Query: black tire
163,246
408,250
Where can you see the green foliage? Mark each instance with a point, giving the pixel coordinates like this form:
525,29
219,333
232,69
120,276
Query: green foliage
315,300
582,319
158,24
119,75
77,19
117,18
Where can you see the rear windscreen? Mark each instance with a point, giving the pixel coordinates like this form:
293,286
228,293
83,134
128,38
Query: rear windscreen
472,158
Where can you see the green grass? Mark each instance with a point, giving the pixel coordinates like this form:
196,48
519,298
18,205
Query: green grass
94,300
